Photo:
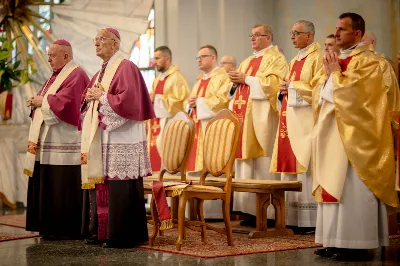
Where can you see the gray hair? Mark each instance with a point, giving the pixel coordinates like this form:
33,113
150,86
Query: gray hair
308,26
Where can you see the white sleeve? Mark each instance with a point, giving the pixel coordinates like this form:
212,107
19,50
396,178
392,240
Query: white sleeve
111,119
294,98
159,107
203,111
49,117
326,91
256,92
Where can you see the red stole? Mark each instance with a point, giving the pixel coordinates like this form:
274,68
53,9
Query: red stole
201,92
242,98
155,130
326,197
286,160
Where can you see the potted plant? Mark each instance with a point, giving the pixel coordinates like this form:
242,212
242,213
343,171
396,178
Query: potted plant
11,75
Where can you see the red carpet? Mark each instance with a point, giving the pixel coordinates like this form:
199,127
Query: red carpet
11,236
217,247
13,220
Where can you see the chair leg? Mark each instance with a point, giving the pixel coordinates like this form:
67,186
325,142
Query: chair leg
181,221
156,222
227,220
200,214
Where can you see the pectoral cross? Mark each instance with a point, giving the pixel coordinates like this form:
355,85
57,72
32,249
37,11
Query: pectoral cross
240,102
155,126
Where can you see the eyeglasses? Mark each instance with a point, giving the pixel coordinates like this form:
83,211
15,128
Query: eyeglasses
296,33
52,56
226,63
257,35
201,57
101,39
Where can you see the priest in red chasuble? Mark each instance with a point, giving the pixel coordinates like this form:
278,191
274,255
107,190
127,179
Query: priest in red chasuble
53,156
170,90
114,154
253,100
208,97
352,149
292,149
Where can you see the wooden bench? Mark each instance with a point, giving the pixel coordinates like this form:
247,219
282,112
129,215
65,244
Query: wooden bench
264,189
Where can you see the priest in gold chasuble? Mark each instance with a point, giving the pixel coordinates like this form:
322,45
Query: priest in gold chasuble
168,93
292,149
253,100
208,97
352,149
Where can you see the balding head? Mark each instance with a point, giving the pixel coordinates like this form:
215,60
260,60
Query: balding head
59,56
228,62
369,38
107,44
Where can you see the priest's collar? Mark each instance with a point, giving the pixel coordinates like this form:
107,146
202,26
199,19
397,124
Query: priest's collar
111,60
207,75
55,73
164,74
345,53
261,52
303,51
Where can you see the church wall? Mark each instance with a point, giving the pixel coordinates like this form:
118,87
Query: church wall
186,25
324,13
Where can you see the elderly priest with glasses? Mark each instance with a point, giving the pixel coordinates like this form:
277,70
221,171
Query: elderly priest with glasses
114,153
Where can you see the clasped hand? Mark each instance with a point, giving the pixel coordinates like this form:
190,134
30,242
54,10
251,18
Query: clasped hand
93,94
35,101
331,63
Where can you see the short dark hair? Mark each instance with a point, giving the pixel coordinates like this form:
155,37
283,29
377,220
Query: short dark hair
357,21
331,36
211,48
165,50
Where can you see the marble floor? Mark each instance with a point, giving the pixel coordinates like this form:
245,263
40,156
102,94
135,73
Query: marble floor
35,251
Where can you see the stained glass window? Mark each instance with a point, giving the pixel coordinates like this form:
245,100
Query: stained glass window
142,53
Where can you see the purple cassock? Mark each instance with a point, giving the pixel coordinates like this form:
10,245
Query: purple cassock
115,210
54,194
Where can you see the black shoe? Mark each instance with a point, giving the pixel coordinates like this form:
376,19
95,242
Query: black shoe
304,230
325,252
344,254
93,241
250,223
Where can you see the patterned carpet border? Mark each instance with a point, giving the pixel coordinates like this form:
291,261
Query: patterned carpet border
18,221
11,236
217,246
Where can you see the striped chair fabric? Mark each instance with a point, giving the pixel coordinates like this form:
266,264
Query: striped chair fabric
175,142
218,144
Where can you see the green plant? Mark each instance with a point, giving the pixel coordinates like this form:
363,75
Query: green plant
11,73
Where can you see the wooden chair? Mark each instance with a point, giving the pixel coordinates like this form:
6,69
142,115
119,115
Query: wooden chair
177,143
220,145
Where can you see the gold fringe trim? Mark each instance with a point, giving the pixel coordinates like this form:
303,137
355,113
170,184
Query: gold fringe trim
28,172
88,186
177,192
92,182
96,180
166,224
